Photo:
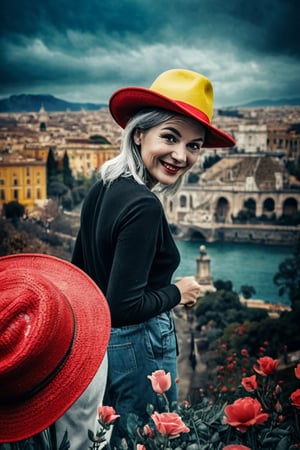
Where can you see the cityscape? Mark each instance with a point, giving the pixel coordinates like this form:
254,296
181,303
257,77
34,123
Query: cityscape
237,198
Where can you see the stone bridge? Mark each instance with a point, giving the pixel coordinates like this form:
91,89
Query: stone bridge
222,205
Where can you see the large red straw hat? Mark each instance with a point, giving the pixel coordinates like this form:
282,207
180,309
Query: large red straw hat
182,91
54,331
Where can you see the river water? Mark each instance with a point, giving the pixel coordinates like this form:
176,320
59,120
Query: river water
243,264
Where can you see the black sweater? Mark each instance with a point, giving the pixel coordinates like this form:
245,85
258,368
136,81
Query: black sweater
125,245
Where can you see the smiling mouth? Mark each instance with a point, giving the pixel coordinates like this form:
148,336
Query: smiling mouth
170,168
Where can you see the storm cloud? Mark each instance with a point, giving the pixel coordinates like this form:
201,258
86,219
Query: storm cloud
84,50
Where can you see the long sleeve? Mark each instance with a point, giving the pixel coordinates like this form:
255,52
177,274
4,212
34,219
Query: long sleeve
133,293
125,245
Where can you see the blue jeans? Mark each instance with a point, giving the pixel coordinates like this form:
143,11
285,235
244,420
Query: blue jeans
134,352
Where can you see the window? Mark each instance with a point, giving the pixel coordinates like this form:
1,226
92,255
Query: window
182,201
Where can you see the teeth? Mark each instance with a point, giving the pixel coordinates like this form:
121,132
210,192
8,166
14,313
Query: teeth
174,169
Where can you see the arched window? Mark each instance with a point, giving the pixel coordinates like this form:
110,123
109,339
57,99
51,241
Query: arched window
182,201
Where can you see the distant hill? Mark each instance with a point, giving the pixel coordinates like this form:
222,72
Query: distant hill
268,102
33,103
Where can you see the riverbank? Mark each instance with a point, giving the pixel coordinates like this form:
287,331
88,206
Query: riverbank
274,310
241,233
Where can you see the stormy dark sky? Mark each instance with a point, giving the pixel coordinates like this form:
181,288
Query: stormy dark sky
83,50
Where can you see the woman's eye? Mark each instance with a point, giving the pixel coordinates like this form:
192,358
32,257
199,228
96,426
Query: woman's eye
194,146
169,137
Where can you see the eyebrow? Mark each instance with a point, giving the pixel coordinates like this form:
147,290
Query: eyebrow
175,131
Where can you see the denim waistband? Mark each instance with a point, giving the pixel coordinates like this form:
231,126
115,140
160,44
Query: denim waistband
165,315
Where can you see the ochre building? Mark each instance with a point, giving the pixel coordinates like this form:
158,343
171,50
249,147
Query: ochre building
22,180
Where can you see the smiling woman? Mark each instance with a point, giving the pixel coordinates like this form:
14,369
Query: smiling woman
170,149
124,241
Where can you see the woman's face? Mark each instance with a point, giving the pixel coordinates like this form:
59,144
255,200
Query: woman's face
170,149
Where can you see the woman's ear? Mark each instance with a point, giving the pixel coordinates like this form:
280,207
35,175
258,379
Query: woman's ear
137,136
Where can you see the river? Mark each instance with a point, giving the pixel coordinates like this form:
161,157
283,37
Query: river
243,264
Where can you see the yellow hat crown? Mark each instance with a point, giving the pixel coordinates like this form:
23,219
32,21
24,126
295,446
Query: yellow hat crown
188,87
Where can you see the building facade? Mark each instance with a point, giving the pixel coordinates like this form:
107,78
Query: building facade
22,180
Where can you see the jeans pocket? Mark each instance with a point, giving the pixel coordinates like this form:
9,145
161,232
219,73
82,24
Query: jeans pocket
122,358
161,336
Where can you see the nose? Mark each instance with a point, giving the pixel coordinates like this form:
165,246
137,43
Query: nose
179,153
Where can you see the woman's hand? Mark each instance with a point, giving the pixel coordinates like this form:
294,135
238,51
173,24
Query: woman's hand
189,290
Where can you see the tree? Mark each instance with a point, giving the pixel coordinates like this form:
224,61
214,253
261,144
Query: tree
247,291
52,168
13,210
99,139
56,189
68,178
288,277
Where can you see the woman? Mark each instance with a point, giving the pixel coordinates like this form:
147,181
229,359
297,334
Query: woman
124,242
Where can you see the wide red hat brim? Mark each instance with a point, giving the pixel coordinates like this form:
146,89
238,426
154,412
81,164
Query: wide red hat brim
20,421
126,102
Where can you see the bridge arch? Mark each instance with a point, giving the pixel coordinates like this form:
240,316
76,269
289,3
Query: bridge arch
289,206
268,205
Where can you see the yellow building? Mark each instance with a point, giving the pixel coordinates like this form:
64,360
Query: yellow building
86,156
22,180
36,151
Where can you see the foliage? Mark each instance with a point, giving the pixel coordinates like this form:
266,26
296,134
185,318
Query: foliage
293,167
56,189
209,161
68,178
288,276
31,237
292,219
13,210
247,291
224,307
51,166
99,139
15,240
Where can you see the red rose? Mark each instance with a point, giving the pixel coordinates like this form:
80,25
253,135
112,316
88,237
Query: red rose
244,413
249,383
297,371
295,397
161,381
169,423
266,366
107,414
236,447
148,431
